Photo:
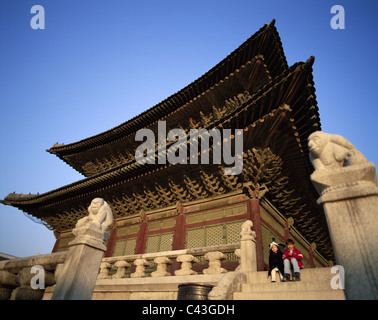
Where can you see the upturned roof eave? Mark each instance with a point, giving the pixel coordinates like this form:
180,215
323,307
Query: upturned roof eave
132,166
138,121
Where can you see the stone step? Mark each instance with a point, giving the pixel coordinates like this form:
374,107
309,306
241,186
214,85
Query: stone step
292,295
310,274
315,284
285,286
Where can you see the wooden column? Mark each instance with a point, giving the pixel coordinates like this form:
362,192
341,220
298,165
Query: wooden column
254,215
179,233
178,236
141,239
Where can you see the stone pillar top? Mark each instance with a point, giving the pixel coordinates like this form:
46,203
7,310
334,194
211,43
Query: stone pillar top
246,232
341,171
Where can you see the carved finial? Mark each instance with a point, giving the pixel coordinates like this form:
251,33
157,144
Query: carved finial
310,61
246,232
57,145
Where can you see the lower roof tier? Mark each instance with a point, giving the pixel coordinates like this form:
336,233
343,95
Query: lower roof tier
276,122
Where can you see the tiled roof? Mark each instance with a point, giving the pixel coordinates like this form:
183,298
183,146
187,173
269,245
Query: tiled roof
265,42
280,90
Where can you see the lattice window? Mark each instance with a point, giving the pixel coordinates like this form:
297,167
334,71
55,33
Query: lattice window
119,248
195,237
152,244
130,246
166,240
233,231
214,235
159,242
124,247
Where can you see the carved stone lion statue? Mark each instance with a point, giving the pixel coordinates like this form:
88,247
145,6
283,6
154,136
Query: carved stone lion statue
100,216
246,232
329,151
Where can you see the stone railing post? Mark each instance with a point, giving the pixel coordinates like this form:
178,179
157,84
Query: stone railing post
161,267
347,184
121,269
186,265
214,259
141,265
77,277
104,270
248,261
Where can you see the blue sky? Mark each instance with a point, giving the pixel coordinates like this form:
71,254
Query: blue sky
99,63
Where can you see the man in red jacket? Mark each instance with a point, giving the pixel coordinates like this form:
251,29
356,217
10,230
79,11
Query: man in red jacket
292,256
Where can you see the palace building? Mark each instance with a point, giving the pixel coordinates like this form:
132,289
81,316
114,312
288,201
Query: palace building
163,207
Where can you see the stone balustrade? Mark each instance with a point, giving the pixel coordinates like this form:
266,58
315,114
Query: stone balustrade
161,260
65,274
16,275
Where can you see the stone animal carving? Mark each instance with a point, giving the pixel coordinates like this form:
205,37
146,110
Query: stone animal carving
100,215
246,232
329,151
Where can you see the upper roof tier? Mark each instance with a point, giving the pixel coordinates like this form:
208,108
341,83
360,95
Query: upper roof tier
294,88
248,68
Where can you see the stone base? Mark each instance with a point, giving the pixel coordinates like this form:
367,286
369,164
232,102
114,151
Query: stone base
353,226
151,288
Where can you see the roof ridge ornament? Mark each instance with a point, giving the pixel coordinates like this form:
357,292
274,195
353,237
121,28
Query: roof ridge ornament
309,63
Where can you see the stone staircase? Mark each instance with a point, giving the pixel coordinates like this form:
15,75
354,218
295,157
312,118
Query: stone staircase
315,284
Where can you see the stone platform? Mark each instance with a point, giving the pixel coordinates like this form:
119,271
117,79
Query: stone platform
315,284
